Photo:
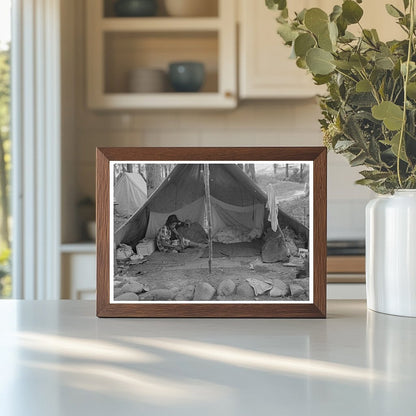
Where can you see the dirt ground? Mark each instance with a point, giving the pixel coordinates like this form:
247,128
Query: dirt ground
177,270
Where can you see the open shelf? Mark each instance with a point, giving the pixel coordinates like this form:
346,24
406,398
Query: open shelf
210,10
160,24
119,45
126,51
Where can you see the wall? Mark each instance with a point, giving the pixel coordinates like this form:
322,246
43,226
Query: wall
253,123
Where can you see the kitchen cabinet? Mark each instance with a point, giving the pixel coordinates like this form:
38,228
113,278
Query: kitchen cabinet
118,45
78,263
265,70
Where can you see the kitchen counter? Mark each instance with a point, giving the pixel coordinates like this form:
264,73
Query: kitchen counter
57,358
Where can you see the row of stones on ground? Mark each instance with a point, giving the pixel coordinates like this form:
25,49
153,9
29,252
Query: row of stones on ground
204,291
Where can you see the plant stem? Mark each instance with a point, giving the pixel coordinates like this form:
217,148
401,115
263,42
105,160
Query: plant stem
406,80
346,75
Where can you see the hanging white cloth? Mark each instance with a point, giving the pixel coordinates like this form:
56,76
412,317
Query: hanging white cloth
273,207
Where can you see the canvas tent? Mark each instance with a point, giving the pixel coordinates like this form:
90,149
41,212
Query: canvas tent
236,202
130,193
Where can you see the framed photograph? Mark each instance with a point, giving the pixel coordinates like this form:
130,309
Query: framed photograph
211,232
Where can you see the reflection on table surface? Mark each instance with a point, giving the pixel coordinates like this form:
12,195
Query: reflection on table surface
57,358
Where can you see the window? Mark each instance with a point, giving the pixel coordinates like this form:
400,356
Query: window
5,147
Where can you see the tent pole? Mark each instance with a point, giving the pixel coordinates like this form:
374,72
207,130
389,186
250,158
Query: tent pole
209,214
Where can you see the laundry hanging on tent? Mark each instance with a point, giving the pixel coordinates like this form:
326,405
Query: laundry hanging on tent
273,206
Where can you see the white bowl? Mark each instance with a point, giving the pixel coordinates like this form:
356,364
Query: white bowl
191,8
147,80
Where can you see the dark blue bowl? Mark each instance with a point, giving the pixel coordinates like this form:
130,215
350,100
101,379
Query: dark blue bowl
135,8
186,76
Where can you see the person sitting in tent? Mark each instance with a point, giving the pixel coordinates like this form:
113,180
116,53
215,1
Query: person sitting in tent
168,240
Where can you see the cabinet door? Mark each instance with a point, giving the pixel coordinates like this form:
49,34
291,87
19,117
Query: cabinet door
265,68
78,276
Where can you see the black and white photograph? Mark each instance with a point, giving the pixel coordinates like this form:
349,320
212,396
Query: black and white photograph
211,232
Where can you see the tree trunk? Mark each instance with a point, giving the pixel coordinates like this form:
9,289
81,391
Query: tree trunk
153,176
301,171
129,168
4,196
209,214
251,171
287,170
275,168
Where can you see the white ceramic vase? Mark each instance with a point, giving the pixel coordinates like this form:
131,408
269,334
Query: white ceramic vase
391,253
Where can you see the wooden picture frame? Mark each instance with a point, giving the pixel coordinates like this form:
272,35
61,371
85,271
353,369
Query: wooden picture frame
313,307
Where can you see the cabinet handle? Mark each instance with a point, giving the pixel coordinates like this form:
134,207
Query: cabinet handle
229,94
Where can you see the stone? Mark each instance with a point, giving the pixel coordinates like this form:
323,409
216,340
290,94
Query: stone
277,293
146,296
187,293
134,287
161,294
204,291
174,291
117,292
226,288
127,296
260,287
244,290
274,249
303,282
280,288
296,290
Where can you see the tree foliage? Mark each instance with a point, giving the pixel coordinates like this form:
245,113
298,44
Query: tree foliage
5,165
369,111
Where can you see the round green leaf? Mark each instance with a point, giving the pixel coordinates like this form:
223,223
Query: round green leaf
319,61
276,4
287,33
358,61
328,38
351,11
411,90
391,114
363,86
336,12
344,65
316,20
384,62
303,43
333,32
301,63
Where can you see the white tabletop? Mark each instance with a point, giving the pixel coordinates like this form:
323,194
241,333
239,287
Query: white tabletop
57,358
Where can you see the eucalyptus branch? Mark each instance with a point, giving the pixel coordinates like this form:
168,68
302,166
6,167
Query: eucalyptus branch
406,79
